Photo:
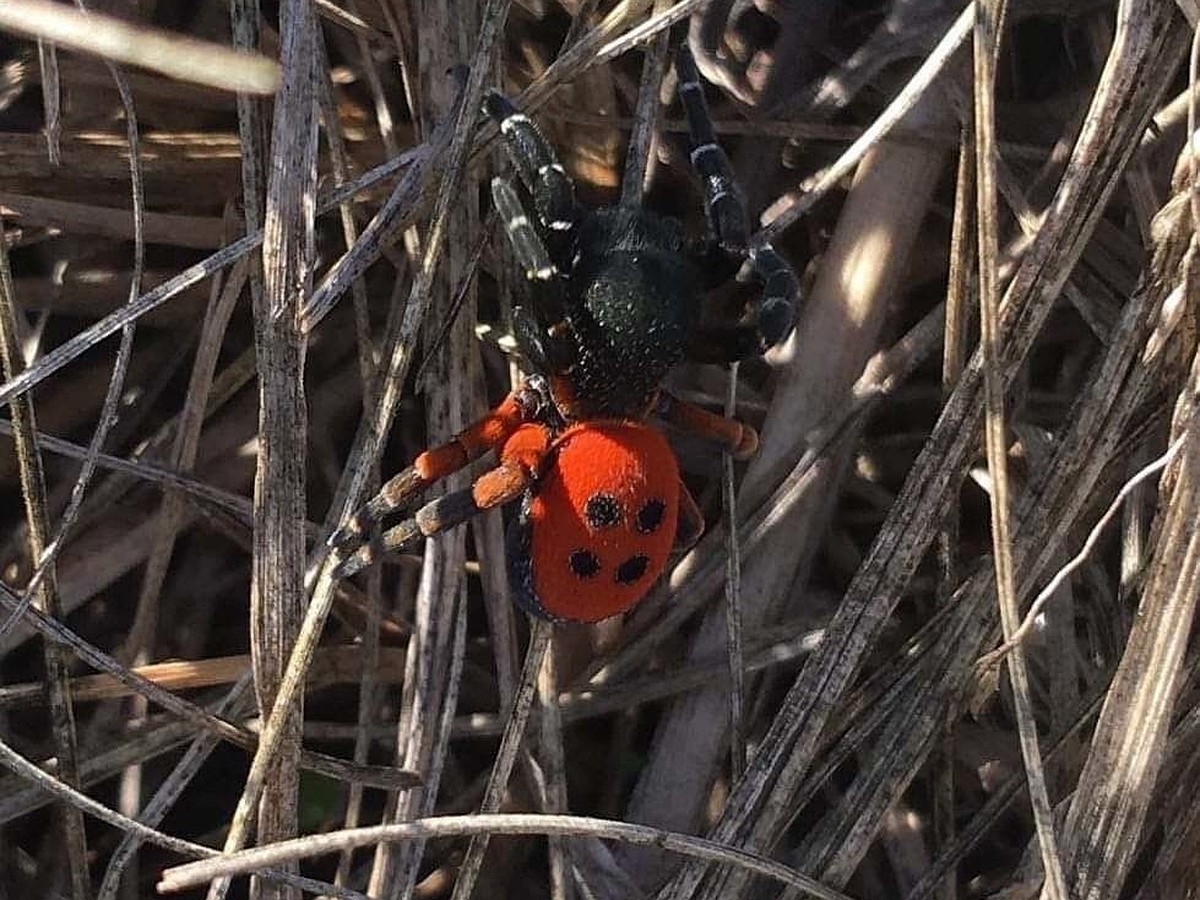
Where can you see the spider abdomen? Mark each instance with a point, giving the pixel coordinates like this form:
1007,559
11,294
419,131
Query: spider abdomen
596,531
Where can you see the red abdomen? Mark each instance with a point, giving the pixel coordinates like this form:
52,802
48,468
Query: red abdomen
601,522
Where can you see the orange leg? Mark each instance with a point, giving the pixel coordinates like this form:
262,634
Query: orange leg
489,432
524,451
740,439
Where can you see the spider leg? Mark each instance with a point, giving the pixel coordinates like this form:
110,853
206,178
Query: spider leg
522,236
493,488
774,314
775,310
739,438
535,161
541,336
723,203
548,348
524,451
430,466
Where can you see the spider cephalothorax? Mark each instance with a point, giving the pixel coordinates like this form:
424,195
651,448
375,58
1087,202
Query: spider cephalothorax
629,294
614,299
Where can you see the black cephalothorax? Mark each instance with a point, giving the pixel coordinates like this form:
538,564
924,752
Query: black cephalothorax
615,293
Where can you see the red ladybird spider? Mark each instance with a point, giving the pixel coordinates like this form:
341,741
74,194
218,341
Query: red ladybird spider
613,307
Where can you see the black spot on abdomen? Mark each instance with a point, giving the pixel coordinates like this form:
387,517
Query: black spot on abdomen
650,516
584,563
632,569
602,511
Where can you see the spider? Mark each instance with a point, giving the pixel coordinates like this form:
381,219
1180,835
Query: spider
613,305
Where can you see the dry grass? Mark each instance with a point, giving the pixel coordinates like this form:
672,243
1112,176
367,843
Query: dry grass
181,674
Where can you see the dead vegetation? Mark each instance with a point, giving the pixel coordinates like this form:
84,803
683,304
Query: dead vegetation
223,316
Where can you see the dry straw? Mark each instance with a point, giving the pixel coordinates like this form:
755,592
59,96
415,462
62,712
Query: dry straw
937,641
